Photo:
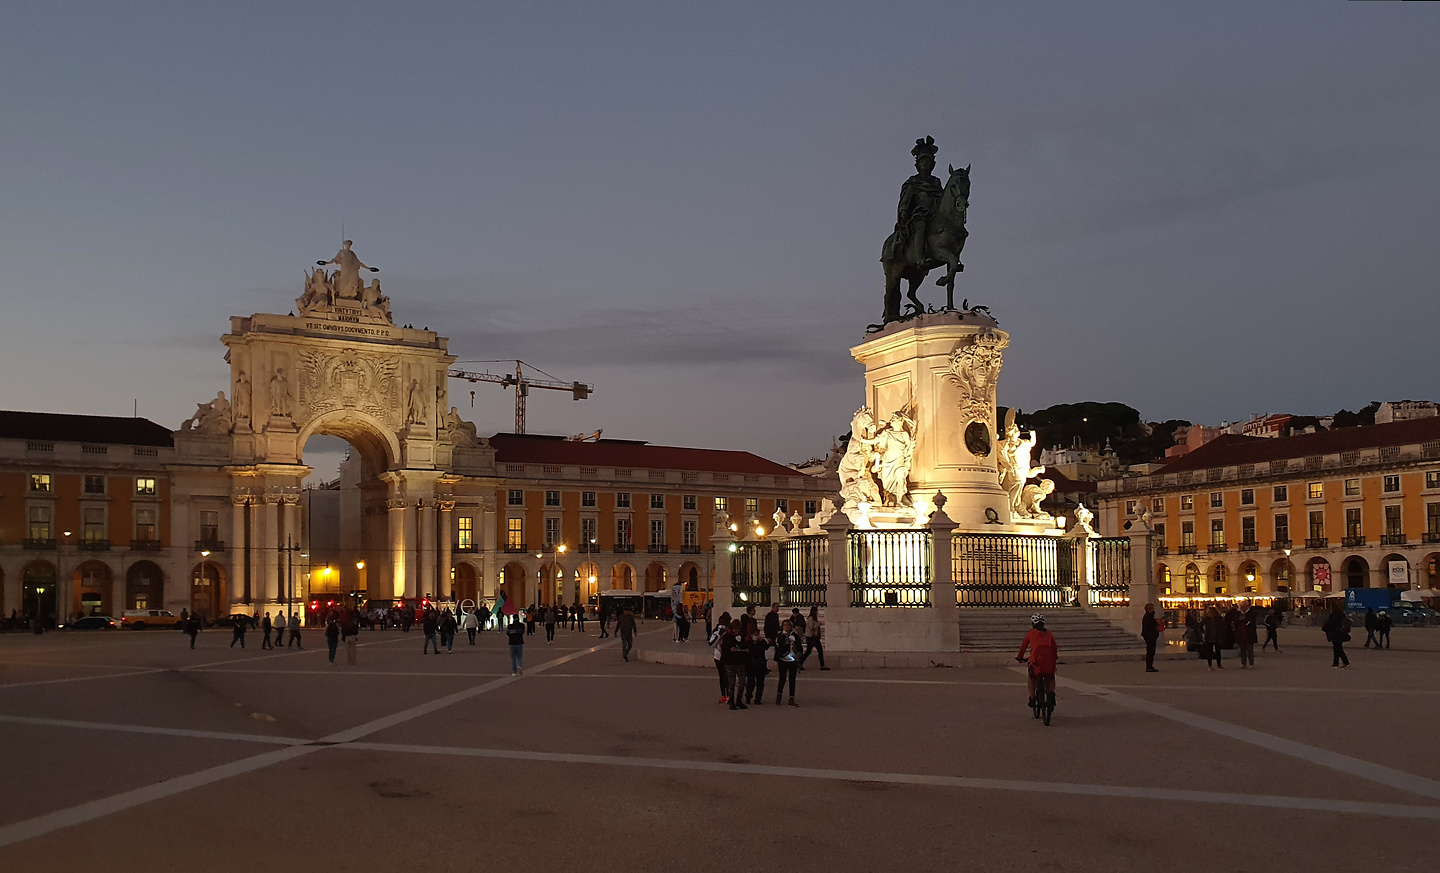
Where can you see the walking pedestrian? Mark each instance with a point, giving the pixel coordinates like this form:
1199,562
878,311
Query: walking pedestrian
482,613
1337,631
579,612
241,624
812,639
735,657
350,634
448,626
472,624
530,621
550,619
1245,635
625,627
1371,625
1212,628
295,632
787,655
772,622
265,626
515,633
430,624
407,617
756,647
715,636
1382,629
192,628
1272,627
332,636
797,622
604,618
1150,633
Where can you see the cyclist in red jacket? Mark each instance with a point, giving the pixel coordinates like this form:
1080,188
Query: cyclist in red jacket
1043,655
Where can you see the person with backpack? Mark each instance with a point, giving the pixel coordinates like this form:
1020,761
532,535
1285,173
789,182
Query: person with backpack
448,626
1372,624
788,647
1337,631
1272,626
295,632
716,635
472,624
515,633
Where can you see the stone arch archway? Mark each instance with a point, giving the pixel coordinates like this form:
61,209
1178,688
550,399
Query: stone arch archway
1162,578
1282,575
467,582
1427,572
92,589
1355,571
656,576
1249,578
379,447
1319,574
587,576
551,578
144,586
1411,577
38,583
1192,579
207,590
689,576
622,577
1219,578
513,583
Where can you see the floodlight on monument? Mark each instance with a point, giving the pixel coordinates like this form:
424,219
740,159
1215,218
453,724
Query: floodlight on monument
1060,522
733,547
560,549
759,531
359,565
734,526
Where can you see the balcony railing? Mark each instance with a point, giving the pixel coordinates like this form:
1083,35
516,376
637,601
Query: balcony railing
466,548
144,545
658,549
1431,537
95,545
1279,545
515,548
1217,548
693,549
1250,546
589,548
35,544
1317,543
209,545
1162,550
1352,542
624,548
1188,550
1392,539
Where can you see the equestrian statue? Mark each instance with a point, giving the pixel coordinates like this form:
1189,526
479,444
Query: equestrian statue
929,232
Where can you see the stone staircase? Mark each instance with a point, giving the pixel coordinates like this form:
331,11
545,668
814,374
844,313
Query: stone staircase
1000,630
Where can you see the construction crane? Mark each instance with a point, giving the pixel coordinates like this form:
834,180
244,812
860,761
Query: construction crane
522,385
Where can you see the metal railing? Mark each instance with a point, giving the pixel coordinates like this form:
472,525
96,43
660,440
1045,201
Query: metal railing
804,570
1317,542
1109,562
889,567
1395,539
1013,570
624,548
145,545
750,574
209,545
95,545
1352,542
38,544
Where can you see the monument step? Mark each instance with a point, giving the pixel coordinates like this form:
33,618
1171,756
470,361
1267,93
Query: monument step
1075,630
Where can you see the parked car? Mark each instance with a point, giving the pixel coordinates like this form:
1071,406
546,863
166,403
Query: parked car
143,618
232,620
92,622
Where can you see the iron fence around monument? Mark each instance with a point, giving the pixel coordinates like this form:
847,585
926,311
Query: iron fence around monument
804,570
1109,562
889,567
750,574
1013,570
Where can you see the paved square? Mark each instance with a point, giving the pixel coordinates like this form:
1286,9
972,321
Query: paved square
130,751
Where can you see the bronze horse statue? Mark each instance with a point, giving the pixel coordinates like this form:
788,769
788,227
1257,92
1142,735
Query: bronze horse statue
945,240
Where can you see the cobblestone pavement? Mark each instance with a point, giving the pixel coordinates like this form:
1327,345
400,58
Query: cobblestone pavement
129,751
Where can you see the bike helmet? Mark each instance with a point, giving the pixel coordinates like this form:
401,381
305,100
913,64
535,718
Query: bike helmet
1037,620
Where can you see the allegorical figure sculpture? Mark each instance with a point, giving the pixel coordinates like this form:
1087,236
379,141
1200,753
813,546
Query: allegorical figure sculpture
211,418
242,397
347,281
894,451
857,485
1031,497
460,431
279,394
929,231
415,411
1015,467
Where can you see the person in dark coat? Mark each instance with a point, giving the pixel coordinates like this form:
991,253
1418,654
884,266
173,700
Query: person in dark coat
1272,628
1150,632
192,628
1230,632
1246,635
772,622
1382,629
1372,623
1212,629
1337,631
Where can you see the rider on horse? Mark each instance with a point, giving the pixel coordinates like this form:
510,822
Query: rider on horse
919,200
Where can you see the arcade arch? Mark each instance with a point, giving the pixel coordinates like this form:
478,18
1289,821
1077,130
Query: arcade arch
587,576
144,586
1317,573
1192,579
1355,570
1384,569
38,581
1219,579
1427,574
1162,578
512,583
689,576
92,589
467,582
207,590
655,575
551,580
1249,578
622,577
1282,574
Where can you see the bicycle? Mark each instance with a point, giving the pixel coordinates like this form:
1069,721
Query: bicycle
1042,702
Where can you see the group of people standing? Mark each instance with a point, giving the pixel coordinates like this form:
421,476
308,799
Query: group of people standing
743,651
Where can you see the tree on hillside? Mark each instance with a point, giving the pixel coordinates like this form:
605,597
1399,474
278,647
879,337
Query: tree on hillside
1094,424
1363,418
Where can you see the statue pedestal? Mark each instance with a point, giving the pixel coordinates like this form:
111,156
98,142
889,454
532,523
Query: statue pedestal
946,364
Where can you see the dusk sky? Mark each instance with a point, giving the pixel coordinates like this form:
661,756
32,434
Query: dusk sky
1201,210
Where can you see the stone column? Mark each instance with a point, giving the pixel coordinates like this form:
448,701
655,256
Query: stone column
837,588
412,543
777,539
395,509
1143,589
428,583
290,590
238,507
943,602
254,591
270,544
721,540
1079,535
489,534
447,561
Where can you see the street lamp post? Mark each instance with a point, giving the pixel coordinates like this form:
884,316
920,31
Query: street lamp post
556,551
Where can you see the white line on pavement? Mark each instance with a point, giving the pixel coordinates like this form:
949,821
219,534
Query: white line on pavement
82,678
1275,688
153,730
1392,810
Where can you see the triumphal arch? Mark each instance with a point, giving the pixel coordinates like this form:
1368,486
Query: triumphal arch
338,365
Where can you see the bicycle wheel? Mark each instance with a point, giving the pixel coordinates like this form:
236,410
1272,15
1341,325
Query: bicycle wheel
1049,707
1037,703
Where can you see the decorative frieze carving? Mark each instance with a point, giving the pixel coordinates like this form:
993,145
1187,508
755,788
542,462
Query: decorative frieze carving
975,368
347,379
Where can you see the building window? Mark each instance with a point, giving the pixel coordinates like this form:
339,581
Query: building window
145,486
1317,490
689,502
552,532
1317,525
1393,530
1157,506
1160,533
809,507
515,497
94,484
1192,579
1432,479
1219,577
587,499
1281,494
552,498
1187,533
209,525
515,533
1352,488
1282,576
1247,496
1352,522
1130,507
783,505
465,532
752,504
1187,502
145,525
588,531
1282,528
1217,532
657,501
622,500
39,522
94,524
1217,499
1247,530
1392,484
657,532
721,505
40,483
691,538
623,535
1432,519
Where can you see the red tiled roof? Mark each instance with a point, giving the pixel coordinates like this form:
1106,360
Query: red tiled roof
538,449
1231,449
99,429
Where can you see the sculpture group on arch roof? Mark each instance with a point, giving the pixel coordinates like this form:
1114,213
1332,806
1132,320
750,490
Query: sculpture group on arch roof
876,467
323,290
